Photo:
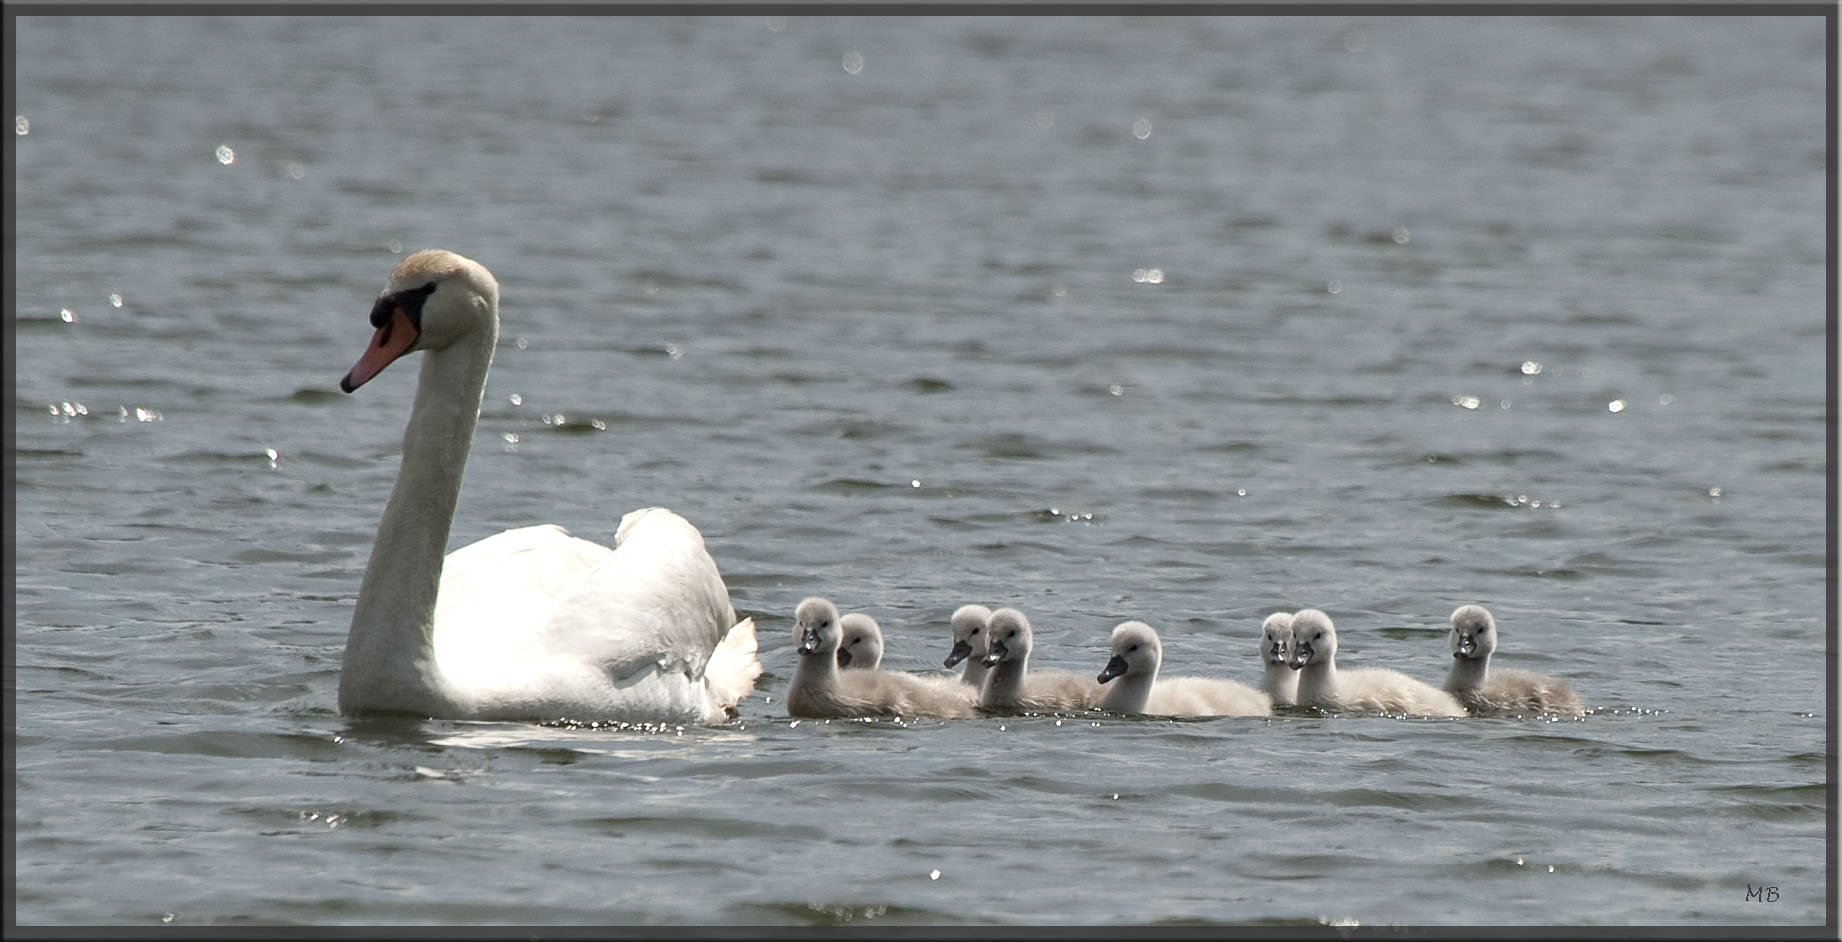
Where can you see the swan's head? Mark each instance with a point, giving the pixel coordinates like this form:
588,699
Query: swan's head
862,643
1474,633
1010,637
433,299
1136,651
815,627
1314,638
969,633
1276,639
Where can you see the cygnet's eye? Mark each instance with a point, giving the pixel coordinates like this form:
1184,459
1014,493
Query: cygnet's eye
1132,649
976,630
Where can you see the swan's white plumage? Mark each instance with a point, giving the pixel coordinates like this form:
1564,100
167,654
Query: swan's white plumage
1134,686
821,689
1486,689
531,623
1010,684
1363,689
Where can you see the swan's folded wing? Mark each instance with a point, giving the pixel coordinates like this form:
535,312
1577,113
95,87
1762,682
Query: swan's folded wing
656,603
489,589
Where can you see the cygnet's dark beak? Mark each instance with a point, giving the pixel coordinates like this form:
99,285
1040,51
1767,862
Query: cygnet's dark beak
996,654
959,652
844,657
1466,645
1301,656
1113,668
809,641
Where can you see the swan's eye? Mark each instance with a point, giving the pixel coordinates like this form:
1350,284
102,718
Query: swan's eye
1132,649
975,631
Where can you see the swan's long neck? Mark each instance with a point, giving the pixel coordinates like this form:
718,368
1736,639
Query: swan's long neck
975,671
1129,692
815,683
389,654
1281,683
1317,680
1467,672
1004,682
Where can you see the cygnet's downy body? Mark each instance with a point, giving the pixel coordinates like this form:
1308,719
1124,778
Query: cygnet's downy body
1010,685
820,689
1498,690
1133,684
1363,689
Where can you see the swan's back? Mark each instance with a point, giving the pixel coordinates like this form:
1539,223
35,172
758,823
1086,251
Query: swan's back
1385,690
1509,690
1324,685
1206,696
630,634
1138,654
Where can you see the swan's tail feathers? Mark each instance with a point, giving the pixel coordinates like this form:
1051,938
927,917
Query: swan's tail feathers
733,667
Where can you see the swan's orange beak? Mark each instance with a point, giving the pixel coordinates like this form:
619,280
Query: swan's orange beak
397,336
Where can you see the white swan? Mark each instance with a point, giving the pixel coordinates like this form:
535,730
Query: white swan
1379,689
530,624
1483,689
1279,680
970,643
1010,685
820,689
861,648
1136,687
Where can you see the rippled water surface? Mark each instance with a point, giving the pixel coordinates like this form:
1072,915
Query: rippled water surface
1186,320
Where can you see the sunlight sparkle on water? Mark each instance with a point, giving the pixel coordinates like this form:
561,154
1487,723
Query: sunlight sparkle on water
1616,405
115,300
67,315
1141,128
225,155
853,62
21,126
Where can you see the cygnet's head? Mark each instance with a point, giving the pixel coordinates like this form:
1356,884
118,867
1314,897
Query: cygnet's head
1474,632
1010,637
861,646
969,634
1136,651
1276,639
816,628
1314,638
432,300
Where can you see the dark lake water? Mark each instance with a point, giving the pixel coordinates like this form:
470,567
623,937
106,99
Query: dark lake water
1183,320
